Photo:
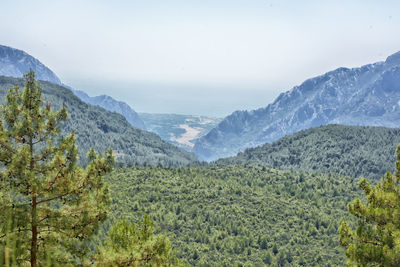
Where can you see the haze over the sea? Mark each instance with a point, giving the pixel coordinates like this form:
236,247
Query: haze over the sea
199,57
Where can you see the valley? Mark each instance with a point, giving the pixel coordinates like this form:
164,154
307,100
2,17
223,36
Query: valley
181,130
101,129
267,187
189,135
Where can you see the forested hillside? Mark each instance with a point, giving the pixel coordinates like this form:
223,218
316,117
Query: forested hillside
348,150
239,215
95,127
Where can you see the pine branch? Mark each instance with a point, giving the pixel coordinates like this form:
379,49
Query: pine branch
6,146
59,196
131,260
53,180
15,231
54,198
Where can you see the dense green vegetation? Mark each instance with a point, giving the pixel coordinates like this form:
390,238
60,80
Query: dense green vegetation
50,206
376,239
236,215
135,244
348,150
95,127
222,214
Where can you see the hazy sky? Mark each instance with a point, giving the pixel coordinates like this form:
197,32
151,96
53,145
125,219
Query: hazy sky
207,57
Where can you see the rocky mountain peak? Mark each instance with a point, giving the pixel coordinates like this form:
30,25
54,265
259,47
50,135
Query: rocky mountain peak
395,58
368,95
15,62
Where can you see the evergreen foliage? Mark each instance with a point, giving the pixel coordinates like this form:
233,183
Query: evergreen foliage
376,239
218,215
52,204
348,150
130,244
238,215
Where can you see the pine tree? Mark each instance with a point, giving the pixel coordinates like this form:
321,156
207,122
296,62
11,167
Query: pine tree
376,239
130,244
52,204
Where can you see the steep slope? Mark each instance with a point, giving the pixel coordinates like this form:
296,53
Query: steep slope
110,104
180,130
348,150
369,95
15,63
101,129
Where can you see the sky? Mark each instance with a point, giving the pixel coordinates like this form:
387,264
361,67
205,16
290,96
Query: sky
208,57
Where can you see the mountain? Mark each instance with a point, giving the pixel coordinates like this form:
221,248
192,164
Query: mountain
101,129
180,130
347,150
15,63
110,104
369,95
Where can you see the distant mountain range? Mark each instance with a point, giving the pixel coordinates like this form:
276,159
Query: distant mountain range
101,129
95,126
180,130
347,150
110,104
15,62
369,95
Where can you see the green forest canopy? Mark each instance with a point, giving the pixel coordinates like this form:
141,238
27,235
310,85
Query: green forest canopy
233,215
228,214
348,150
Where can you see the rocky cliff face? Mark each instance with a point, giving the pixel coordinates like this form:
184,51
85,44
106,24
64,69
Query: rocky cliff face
369,95
15,63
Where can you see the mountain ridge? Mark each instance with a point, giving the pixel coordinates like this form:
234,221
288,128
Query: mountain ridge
15,63
368,95
111,104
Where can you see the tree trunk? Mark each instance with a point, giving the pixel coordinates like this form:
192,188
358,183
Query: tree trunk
33,211
34,234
